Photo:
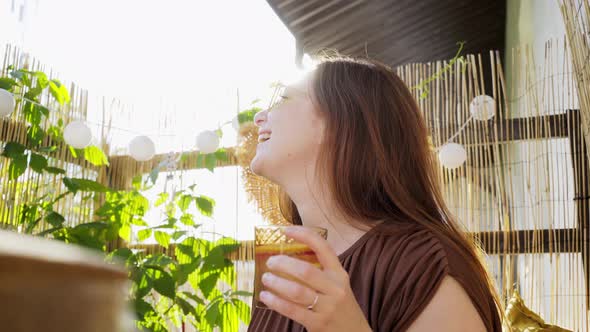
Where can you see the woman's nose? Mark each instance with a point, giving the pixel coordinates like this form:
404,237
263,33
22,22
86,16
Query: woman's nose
260,118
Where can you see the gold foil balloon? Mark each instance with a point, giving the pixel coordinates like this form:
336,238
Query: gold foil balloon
522,319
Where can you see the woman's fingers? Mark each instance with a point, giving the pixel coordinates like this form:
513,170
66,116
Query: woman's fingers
289,290
303,271
326,255
289,309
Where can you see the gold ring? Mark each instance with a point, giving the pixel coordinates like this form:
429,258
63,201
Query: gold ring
315,301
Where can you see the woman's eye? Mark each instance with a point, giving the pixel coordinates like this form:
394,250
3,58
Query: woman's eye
280,100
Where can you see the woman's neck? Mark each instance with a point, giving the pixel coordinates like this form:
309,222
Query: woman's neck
341,233
318,209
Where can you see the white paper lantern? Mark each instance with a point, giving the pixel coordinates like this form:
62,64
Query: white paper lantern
235,123
208,141
482,107
77,134
142,148
7,103
452,155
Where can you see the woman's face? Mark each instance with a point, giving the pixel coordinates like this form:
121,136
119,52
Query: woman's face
289,134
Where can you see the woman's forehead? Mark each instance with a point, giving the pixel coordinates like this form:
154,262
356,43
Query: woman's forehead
301,86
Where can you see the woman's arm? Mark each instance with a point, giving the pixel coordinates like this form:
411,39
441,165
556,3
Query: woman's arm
449,310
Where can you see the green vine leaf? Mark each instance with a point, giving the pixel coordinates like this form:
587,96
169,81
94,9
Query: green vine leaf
194,297
55,170
221,154
423,85
144,234
187,219
160,260
163,238
55,219
142,308
243,310
73,151
7,83
212,314
35,134
143,284
77,184
38,163
241,293
210,161
186,250
42,80
122,254
162,198
186,307
125,232
34,93
205,205
181,272
139,221
207,284
26,80
163,282
214,260
13,149
48,149
56,133
59,92
178,234
184,202
229,246
18,166
229,316
16,74
94,155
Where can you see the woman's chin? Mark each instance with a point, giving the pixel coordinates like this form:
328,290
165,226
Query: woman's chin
261,167
256,165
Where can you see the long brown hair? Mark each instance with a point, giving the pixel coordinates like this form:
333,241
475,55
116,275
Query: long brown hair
376,157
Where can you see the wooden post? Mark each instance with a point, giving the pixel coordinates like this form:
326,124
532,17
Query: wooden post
582,191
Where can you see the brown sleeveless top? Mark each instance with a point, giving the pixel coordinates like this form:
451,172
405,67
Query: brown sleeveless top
395,270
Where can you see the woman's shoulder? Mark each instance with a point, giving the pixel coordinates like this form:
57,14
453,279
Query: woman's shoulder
396,271
395,235
420,242
411,244
403,266
398,246
401,246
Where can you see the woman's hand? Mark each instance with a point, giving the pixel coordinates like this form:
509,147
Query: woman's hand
323,300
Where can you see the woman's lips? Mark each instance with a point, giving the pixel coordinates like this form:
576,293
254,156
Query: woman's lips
263,136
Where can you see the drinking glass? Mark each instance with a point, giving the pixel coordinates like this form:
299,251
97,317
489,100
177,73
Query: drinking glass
270,241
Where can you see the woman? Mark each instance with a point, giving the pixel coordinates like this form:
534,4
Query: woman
349,147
